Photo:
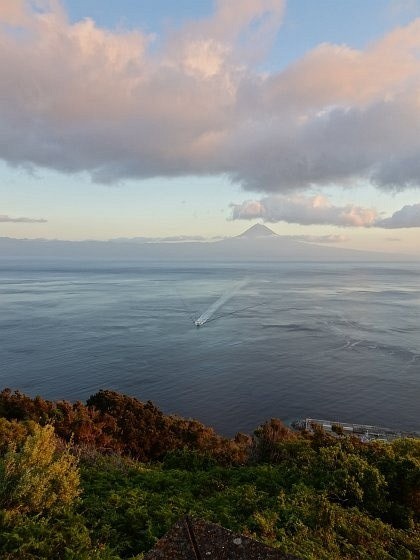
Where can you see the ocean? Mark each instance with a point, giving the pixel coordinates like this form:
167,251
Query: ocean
286,340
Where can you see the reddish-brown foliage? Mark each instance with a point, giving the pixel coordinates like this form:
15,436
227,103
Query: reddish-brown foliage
120,424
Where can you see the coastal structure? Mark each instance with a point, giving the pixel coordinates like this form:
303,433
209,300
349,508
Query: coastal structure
364,432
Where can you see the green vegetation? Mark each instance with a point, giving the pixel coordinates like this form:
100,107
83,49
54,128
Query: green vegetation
107,479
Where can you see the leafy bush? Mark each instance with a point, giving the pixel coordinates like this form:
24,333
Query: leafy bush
115,423
36,478
62,537
185,459
130,509
13,432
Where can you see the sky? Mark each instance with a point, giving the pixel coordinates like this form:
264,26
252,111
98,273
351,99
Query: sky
200,118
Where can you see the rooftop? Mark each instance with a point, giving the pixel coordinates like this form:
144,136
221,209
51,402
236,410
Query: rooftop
193,539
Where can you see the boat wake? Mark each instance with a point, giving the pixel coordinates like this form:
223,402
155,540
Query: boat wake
214,307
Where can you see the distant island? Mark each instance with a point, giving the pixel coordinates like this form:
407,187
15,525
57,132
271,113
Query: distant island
106,479
258,243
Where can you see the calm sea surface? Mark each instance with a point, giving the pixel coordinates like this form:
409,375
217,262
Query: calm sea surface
339,341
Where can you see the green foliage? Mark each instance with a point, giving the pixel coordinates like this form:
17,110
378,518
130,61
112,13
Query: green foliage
131,508
349,479
188,460
37,479
62,537
317,496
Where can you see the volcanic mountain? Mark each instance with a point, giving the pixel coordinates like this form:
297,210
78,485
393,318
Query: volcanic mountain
257,231
258,243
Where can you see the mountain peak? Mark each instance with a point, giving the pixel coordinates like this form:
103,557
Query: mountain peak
258,230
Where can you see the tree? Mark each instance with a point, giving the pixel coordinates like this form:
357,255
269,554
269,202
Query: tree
267,440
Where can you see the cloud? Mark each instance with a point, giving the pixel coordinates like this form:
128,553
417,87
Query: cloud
9,219
305,210
407,217
318,210
169,239
79,98
330,238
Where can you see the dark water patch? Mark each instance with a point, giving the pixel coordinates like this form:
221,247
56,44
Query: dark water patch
291,327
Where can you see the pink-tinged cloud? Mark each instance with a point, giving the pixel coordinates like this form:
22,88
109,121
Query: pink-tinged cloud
305,210
318,210
75,97
9,219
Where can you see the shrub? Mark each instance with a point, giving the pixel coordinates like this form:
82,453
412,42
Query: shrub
188,460
37,478
267,440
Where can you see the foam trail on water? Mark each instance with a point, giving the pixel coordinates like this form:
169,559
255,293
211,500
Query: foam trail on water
208,314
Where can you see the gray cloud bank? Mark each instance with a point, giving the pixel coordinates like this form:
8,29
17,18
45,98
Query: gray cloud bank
407,217
330,238
318,210
8,219
168,239
76,98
